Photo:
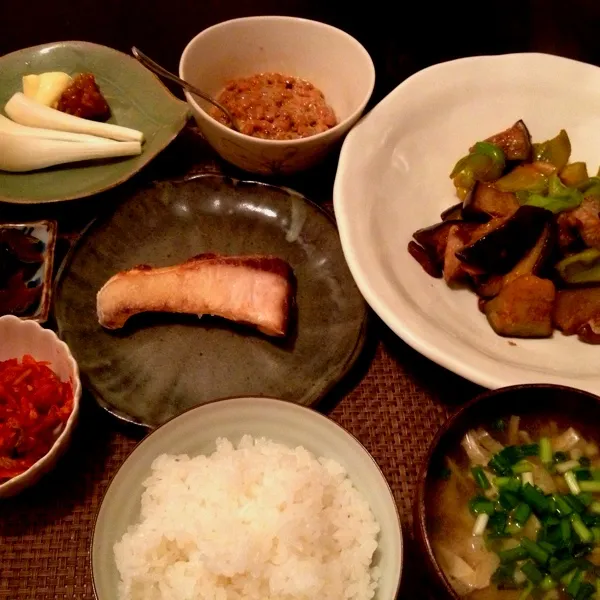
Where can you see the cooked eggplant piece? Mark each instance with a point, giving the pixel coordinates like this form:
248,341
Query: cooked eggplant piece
556,151
429,263
435,237
499,250
456,272
574,308
574,174
515,141
486,201
532,263
523,178
590,332
523,308
583,267
453,213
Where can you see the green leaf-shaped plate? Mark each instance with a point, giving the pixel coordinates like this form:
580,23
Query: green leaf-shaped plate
136,97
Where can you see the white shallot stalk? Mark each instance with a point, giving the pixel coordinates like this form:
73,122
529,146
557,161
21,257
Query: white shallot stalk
20,154
8,126
26,111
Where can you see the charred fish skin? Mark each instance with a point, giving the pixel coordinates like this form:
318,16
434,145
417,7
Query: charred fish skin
255,290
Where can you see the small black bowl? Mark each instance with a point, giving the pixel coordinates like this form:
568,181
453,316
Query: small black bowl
520,400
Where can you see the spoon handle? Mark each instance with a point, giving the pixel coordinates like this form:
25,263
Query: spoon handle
156,68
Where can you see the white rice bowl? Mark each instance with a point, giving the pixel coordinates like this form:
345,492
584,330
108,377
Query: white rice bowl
258,521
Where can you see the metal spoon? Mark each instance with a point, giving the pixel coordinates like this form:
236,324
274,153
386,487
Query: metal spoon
156,68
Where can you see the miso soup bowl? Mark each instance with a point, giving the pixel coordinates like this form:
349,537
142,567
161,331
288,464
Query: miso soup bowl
329,58
560,402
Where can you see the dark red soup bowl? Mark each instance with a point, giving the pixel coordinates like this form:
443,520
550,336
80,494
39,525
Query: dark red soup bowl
534,404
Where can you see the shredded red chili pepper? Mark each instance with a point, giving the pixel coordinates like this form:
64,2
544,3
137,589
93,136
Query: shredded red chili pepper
34,402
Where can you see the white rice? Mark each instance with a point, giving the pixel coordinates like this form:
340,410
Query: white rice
255,522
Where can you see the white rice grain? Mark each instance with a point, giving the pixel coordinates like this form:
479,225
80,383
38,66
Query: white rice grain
256,522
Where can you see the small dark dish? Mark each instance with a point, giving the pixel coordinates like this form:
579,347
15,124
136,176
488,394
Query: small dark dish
26,264
533,403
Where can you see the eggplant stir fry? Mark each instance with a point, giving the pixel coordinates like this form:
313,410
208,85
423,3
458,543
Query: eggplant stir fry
529,515
525,236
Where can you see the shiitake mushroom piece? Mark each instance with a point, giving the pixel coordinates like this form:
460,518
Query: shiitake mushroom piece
499,250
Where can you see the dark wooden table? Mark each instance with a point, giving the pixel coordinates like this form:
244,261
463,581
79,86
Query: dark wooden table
394,399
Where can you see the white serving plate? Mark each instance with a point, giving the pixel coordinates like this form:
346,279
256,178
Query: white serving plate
392,179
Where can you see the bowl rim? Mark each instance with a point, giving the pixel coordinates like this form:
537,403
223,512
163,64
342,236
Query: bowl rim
269,400
70,422
324,135
419,513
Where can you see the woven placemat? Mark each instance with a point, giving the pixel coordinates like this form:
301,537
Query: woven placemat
392,402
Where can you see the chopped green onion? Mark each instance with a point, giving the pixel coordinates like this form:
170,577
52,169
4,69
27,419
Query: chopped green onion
594,507
530,449
523,466
522,513
548,583
535,498
480,478
526,591
565,531
563,508
513,555
500,465
585,535
561,568
497,524
596,532
590,486
546,451
508,500
575,583
567,466
481,505
535,551
510,484
480,524
596,474
527,478
586,591
572,482
585,498
575,503
532,572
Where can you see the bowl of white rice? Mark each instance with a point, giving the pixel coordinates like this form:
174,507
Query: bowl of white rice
248,499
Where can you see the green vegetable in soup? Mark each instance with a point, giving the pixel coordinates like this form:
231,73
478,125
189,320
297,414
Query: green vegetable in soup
536,506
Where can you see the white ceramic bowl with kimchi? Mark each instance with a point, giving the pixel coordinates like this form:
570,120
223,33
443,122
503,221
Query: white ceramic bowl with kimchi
40,392
294,86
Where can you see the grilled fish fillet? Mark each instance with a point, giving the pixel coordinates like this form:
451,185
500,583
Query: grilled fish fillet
255,290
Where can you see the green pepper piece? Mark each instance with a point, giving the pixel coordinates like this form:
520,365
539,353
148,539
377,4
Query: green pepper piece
485,162
559,198
574,174
583,267
524,178
555,151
